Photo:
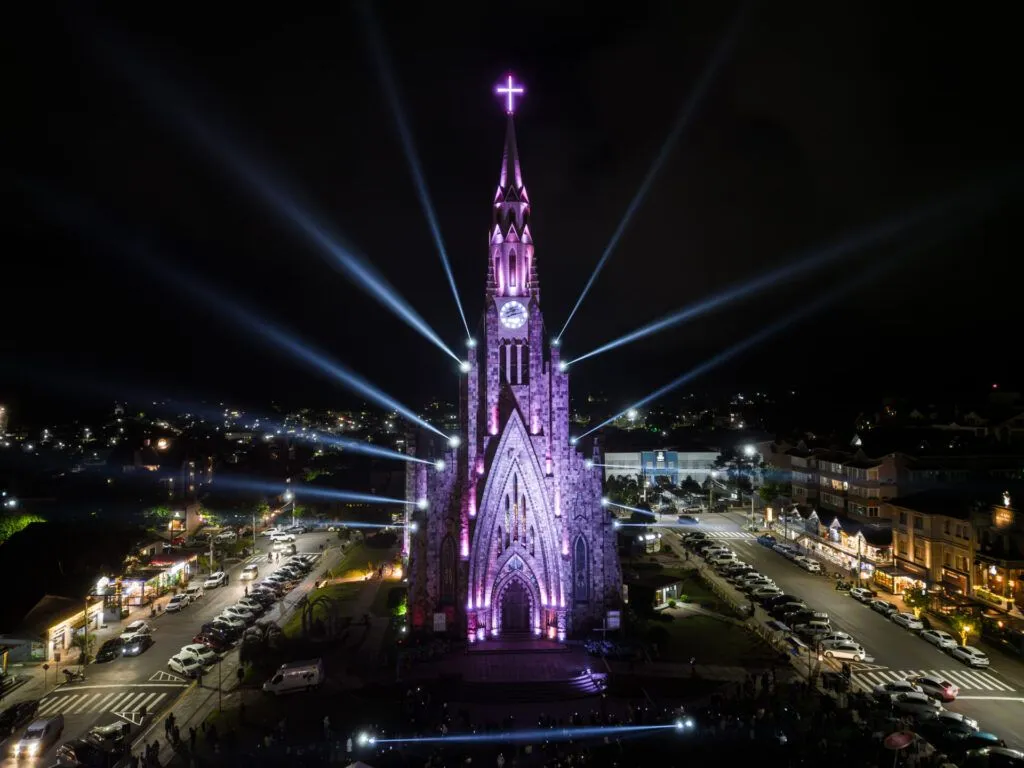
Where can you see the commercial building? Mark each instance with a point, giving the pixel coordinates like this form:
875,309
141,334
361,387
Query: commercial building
674,465
998,571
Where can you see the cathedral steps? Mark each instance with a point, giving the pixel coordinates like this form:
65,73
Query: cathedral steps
517,643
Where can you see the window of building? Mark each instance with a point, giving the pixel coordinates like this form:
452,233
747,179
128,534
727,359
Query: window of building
919,551
947,559
512,269
918,523
903,518
872,474
947,526
901,546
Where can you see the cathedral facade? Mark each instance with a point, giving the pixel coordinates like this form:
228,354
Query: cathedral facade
509,536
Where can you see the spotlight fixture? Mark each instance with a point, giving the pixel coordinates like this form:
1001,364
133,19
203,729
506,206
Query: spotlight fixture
471,343
588,464
573,440
439,465
563,366
414,526
556,342
421,504
454,441
464,366
605,501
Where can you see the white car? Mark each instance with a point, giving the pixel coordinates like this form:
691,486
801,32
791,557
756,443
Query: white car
937,687
271,532
215,580
764,593
282,536
862,594
189,666
896,687
177,602
883,607
240,613
136,628
201,653
232,621
919,704
954,721
940,639
848,651
251,604
907,621
809,565
813,629
838,637
195,592
970,656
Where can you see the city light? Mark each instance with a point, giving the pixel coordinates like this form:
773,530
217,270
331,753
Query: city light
605,501
439,465
421,504
168,100
454,441
682,120
390,85
588,464
471,343
464,366
749,450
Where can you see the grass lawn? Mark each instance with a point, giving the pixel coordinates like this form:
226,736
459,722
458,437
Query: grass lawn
379,607
711,641
693,589
341,593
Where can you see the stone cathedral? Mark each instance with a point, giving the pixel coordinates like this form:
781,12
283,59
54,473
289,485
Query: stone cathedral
510,538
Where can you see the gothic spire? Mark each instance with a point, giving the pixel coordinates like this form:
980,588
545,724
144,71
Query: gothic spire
511,180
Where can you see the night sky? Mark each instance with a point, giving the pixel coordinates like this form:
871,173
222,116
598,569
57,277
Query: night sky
825,118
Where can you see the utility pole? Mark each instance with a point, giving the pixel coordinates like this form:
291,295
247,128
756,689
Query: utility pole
254,530
211,555
751,508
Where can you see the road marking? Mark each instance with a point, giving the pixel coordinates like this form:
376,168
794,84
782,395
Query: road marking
181,684
166,677
122,701
729,535
987,698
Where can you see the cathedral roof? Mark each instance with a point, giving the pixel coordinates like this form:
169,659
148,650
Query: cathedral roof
510,182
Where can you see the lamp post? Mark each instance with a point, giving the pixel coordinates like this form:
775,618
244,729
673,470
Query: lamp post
289,498
254,530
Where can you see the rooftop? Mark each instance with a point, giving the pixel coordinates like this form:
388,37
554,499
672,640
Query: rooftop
946,502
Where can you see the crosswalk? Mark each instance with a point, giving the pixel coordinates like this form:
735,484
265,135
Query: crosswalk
967,680
729,535
115,702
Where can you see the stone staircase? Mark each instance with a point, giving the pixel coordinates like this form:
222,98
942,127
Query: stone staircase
523,692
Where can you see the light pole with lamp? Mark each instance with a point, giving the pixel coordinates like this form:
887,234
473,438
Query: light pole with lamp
289,498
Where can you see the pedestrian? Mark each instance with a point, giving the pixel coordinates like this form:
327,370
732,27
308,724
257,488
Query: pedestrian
192,738
348,746
327,727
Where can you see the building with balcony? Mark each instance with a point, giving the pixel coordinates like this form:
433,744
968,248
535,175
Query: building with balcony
932,541
860,548
998,567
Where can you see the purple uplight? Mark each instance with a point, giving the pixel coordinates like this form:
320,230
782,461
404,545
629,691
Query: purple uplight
511,91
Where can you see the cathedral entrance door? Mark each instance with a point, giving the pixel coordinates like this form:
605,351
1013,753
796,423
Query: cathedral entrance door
515,609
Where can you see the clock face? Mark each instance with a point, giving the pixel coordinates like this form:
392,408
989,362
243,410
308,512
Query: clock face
513,314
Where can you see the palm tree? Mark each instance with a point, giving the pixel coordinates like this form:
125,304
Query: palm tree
84,642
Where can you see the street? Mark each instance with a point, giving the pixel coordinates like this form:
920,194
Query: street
120,690
994,696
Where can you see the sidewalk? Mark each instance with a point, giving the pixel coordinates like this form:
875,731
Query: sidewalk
197,702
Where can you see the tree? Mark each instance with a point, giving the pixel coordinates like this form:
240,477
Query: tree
12,524
769,492
742,468
160,512
916,600
83,642
965,625
689,485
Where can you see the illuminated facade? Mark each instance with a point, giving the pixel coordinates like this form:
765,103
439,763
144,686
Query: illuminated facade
514,540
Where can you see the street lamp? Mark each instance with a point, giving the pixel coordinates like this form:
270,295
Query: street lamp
289,498
965,630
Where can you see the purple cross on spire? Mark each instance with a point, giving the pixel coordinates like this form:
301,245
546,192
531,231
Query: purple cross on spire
511,91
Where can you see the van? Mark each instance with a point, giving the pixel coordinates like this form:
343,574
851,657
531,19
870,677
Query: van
296,676
39,736
250,572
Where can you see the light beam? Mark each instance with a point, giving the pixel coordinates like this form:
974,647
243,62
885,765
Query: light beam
301,491
815,259
765,333
533,734
390,85
628,508
169,101
682,120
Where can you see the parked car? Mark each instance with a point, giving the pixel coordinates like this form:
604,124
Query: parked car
237,612
177,603
765,593
848,651
809,565
283,536
838,637
765,540
110,650
938,687
955,721
200,652
138,645
970,656
907,621
252,605
863,594
215,641
918,704
813,629
16,716
195,592
883,607
188,666
940,639
216,579
136,628
231,621
896,687
688,520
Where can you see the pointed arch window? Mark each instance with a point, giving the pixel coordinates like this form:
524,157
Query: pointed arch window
533,538
508,519
448,569
500,542
513,268
581,571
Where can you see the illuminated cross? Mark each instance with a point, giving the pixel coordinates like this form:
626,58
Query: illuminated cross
512,91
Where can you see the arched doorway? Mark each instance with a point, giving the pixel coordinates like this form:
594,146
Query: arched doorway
515,609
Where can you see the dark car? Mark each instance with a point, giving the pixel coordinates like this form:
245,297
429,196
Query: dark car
214,642
15,716
85,753
138,645
688,520
221,630
766,540
110,650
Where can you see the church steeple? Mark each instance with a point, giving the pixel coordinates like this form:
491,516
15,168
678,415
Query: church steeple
511,271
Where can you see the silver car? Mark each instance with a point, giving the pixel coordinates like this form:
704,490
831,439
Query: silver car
970,656
942,640
907,621
918,704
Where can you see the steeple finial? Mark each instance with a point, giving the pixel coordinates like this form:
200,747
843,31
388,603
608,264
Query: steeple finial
511,173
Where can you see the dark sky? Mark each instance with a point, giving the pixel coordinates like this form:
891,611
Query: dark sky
827,117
